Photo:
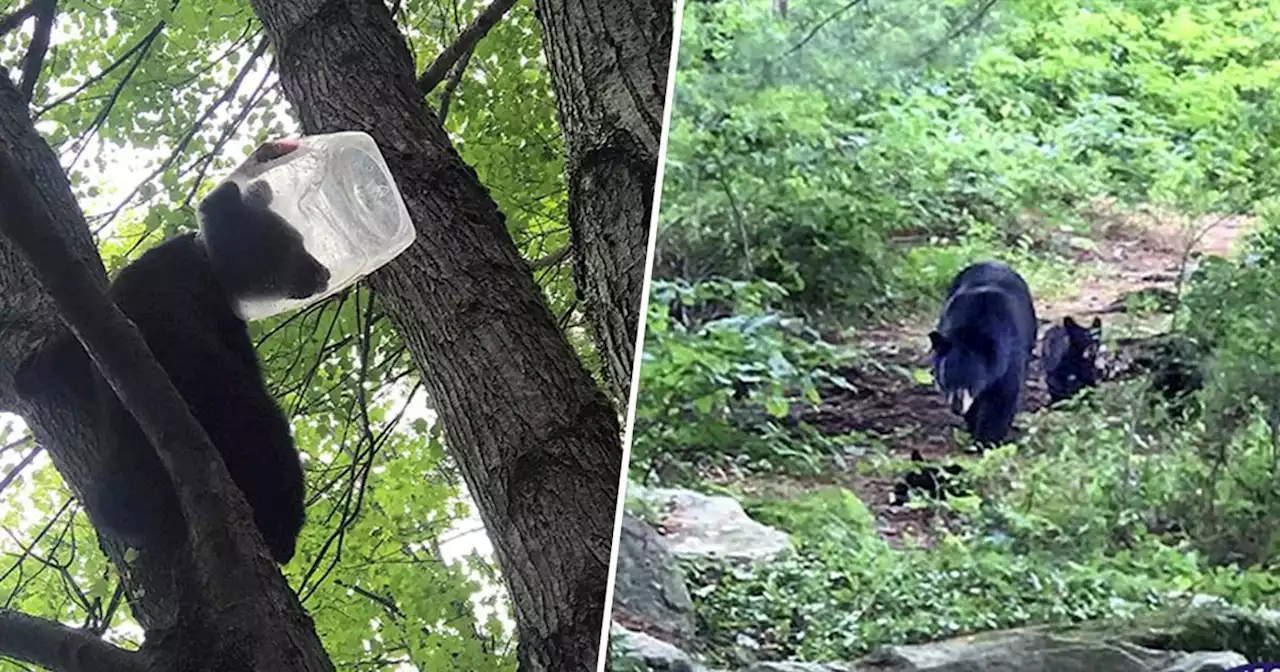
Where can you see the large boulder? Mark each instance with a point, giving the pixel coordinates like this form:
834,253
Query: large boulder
706,526
649,593
652,653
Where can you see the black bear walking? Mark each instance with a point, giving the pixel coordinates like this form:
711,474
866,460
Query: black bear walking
982,347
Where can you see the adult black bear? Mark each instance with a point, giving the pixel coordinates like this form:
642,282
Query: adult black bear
982,346
1070,356
181,295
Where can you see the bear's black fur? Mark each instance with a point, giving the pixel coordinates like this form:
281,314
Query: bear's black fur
982,347
1070,354
933,482
181,294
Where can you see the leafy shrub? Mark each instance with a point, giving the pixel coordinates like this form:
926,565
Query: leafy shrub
717,391
845,590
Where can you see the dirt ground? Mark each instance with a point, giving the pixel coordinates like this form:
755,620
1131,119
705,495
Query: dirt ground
1133,252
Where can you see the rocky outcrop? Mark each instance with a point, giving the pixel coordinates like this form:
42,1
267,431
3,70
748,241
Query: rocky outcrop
705,526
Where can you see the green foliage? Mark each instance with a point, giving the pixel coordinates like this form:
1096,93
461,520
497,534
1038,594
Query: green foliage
924,273
845,590
1230,309
836,601
804,164
831,516
737,376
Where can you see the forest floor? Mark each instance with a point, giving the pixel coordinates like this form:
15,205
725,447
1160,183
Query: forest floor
1129,254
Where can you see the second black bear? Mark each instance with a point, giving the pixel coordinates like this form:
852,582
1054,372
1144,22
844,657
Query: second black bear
1070,355
181,295
982,347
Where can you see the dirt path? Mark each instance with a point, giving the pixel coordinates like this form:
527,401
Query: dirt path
1132,252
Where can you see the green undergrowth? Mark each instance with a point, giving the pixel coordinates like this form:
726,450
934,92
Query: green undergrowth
812,157
924,272
844,590
1108,508
722,369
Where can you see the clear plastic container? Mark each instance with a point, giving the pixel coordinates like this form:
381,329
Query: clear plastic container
338,193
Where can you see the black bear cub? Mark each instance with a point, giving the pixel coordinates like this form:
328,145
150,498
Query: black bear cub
1070,356
934,482
982,346
181,295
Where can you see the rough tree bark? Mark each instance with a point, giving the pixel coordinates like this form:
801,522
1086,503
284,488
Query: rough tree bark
609,62
537,442
219,604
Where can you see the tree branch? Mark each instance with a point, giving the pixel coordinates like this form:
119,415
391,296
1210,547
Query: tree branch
144,43
15,19
819,26
45,12
57,647
552,259
436,72
452,85
965,27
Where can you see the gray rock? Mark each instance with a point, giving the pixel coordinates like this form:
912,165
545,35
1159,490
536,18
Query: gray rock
1207,661
800,667
648,586
1037,650
703,526
656,654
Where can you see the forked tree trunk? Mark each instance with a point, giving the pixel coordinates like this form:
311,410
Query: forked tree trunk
609,62
537,442
206,624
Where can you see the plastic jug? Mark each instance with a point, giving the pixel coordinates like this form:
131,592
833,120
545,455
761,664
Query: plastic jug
338,193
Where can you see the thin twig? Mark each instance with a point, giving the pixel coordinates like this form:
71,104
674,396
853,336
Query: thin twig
956,32
552,259
819,26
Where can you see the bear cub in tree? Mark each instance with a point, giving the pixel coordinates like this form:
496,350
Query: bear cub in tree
181,295
1070,356
982,347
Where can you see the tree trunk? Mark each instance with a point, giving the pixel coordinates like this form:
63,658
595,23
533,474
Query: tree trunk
195,620
538,444
609,62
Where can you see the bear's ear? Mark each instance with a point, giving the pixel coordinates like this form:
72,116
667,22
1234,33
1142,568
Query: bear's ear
916,456
941,344
224,198
258,194
1070,323
1096,325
